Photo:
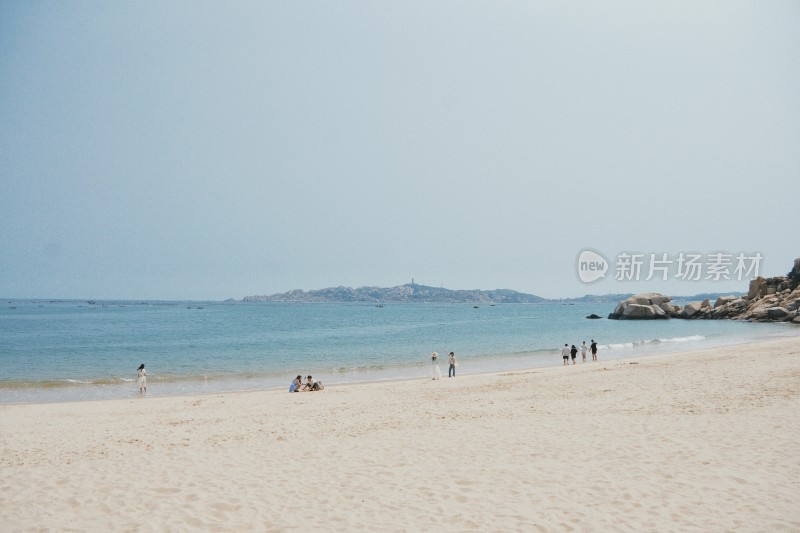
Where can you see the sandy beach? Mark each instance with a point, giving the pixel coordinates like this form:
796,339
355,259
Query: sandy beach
696,441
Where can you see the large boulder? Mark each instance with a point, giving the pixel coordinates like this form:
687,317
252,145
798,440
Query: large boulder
794,274
758,288
722,300
667,308
723,311
691,309
739,303
643,306
733,309
778,313
659,313
637,311
643,298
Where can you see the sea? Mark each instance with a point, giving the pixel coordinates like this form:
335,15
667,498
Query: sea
65,351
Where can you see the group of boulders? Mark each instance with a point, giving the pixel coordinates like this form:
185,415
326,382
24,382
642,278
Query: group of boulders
645,306
768,300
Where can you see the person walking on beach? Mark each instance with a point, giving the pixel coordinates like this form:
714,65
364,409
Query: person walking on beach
436,372
583,351
451,373
594,350
141,379
574,352
565,354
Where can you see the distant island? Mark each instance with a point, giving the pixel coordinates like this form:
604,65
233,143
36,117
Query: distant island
401,293
414,293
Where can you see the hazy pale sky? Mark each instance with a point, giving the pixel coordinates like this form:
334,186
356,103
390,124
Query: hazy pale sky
207,150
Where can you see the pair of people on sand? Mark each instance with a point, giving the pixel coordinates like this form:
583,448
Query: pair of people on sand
311,384
436,372
566,352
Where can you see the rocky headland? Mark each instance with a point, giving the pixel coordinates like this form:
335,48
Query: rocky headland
775,299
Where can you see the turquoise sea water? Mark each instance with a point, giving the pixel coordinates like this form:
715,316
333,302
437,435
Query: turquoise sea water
68,351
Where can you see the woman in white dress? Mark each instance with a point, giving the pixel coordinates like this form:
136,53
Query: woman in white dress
141,378
436,372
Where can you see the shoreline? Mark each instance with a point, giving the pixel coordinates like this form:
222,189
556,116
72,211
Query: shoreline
481,366
694,441
92,355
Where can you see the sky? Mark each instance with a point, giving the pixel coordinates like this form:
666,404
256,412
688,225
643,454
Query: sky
205,150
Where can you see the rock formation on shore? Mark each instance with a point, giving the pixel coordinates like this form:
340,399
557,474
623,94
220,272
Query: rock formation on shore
774,299
645,306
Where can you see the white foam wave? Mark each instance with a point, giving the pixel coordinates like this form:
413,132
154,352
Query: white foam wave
614,346
618,345
683,339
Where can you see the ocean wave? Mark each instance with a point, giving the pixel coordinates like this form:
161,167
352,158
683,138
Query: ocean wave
76,382
684,339
614,346
631,344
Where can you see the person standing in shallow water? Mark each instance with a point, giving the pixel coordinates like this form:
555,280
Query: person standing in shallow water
451,373
141,379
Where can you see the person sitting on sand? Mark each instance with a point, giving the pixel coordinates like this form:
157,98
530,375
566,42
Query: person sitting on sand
312,384
296,384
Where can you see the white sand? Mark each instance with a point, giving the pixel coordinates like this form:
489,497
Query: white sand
699,441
